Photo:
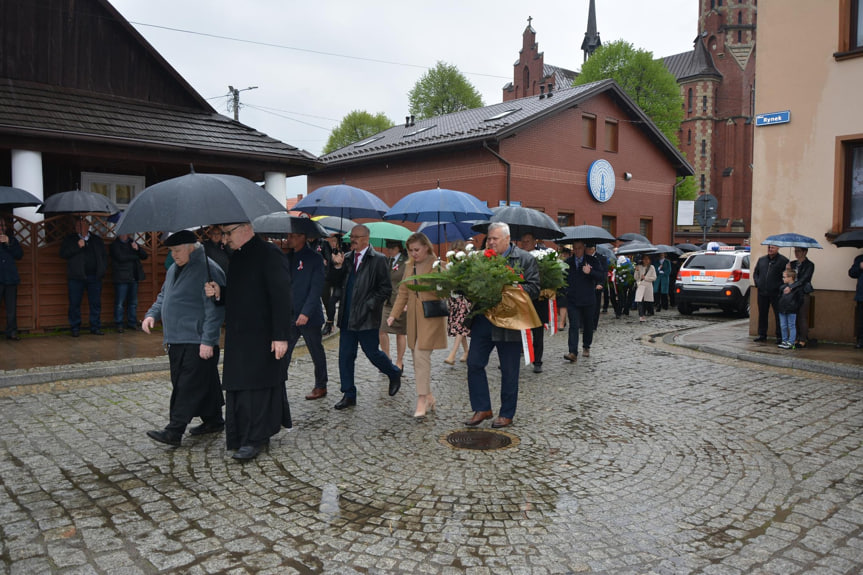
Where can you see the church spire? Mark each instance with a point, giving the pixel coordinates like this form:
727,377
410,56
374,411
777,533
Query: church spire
591,37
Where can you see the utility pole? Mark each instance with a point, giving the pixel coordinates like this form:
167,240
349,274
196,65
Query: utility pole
234,102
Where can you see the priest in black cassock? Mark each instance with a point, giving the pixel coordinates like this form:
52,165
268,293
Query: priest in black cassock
257,300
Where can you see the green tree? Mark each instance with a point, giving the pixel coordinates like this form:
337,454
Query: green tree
442,90
356,126
647,81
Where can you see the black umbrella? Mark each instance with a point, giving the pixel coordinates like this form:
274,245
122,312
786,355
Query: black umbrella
632,237
196,200
78,202
685,247
335,223
669,250
852,239
17,198
585,233
523,221
636,248
282,223
606,251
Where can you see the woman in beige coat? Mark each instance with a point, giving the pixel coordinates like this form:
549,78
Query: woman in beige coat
424,333
645,274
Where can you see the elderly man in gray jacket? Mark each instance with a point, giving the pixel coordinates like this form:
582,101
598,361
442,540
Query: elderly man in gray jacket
192,325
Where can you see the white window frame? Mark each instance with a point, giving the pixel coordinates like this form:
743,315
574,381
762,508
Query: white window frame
138,184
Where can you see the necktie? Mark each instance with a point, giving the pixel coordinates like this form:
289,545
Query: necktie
357,263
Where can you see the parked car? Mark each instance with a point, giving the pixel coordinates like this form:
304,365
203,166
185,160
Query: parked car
718,278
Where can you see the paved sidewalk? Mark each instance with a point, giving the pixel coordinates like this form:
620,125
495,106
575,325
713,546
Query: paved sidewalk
647,457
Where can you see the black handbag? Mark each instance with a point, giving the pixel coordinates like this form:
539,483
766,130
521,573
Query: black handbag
435,308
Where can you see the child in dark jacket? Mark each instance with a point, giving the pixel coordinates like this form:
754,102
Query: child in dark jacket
790,300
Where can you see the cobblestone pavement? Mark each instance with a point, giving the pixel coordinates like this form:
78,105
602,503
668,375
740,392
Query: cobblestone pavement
643,458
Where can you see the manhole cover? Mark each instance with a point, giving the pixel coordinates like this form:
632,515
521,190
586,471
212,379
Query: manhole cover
482,439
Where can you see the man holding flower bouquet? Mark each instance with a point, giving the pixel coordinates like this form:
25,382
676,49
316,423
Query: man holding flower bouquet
485,336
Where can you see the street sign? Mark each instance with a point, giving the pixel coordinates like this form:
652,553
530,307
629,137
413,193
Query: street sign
706,209
773,118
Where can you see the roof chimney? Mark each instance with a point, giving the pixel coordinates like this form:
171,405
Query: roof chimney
407,121
412,119
550,86
542,92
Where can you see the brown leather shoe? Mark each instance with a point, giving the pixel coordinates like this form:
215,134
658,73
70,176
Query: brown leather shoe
317,393
479,417
571,357
586,352
501,422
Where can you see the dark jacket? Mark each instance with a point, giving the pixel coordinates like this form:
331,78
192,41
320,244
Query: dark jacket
370,289
257,300
581,287
186,313
519,259
768,274
307,282
76,257
790,302
856,273
126,262
8,254
805,270
218,253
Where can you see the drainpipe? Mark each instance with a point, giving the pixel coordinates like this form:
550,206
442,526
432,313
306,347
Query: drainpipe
505,163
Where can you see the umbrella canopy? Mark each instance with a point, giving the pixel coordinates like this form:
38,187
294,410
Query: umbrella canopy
78,202
438,205
282,223
335,224
523,221
585,233
380,232
853,239
605,251
440,233
636,248
344,201
631,237
684,247
197,200
670,250
791,240
17,198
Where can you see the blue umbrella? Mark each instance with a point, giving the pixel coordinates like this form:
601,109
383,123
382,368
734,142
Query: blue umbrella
791,240
440,233
344,201
438,205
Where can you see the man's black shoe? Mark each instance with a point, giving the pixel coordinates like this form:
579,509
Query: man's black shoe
395,383
247,452
120,329
760,338
859,345
97,332
76,333
346,402
13,336
537,368
164,436
328,328
205,428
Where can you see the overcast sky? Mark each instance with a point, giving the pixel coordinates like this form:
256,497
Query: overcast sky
314,62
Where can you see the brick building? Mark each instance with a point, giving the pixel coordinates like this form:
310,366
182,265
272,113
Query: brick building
537,151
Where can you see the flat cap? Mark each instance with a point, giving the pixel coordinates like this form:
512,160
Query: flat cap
181,237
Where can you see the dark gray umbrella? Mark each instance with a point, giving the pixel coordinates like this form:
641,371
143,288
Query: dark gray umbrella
632,237
606,251
523,221
585,233
17,198
196,200
852,239
685,247
282,223
344,201
78,202
670,250
636,248
335,223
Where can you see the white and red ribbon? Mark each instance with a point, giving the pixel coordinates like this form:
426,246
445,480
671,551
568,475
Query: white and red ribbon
527,346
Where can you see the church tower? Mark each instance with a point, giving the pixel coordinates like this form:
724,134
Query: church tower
531,76
591,37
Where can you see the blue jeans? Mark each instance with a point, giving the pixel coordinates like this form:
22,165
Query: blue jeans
126,295
509,355
93,286
788,325
349,341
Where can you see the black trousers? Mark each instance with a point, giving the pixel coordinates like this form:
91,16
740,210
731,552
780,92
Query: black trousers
9,297
860,322
331,295
196,391
314,342
765,302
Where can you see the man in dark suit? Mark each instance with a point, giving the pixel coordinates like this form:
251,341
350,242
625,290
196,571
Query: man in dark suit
366,286
767,277
583,275
307,282
86,264
257,300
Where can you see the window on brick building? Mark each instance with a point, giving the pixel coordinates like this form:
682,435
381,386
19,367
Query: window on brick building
739,36
704,103
565,218
645,228
611,135
689,137
588,131
852,183
609,224
703,182
703,148
689,102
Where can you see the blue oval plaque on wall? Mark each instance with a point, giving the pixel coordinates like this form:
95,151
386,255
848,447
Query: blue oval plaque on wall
600,180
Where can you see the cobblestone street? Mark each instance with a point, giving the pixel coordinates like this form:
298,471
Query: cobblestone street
643,458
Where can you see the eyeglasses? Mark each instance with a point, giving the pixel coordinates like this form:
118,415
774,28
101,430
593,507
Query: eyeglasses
232,230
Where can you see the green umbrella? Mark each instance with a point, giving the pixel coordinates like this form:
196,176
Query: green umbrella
380,232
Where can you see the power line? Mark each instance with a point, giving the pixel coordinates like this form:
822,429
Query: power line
266,111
